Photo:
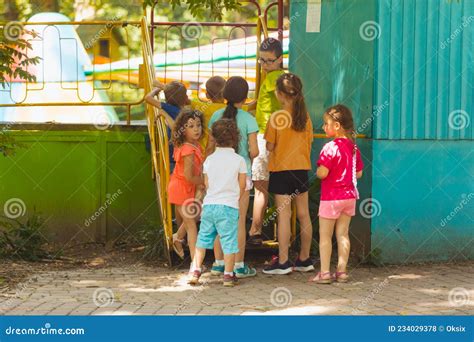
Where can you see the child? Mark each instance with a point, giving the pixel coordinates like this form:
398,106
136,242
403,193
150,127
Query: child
187,175
339,166
289,136
214,93
225,176
235,93
271,59
176,99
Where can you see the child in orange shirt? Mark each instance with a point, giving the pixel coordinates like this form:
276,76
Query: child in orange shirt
289,136
187,176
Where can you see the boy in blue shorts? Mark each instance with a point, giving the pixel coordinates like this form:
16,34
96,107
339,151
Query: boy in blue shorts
225,175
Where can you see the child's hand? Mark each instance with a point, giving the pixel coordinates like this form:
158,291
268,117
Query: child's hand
158,84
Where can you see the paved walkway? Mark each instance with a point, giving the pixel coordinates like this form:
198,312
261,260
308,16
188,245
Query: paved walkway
443,289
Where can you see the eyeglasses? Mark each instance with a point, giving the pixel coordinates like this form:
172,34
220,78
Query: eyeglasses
267,61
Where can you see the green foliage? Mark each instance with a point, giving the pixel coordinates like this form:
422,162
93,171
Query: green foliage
8,144
374,257
151,235
199,8
14,59
22,239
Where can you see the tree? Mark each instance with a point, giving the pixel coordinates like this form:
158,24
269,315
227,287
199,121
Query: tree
14,62
199,7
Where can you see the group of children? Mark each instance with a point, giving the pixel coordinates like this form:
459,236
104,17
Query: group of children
269,152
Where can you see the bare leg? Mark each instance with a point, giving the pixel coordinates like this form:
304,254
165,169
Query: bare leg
242,234
229,260
199,257
283,204
343,242
260,203
326,230
191,229
306,227
218,253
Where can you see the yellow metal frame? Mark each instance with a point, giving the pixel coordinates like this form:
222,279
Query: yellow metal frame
158,140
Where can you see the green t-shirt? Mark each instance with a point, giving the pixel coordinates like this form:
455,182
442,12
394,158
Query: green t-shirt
247,125
267,103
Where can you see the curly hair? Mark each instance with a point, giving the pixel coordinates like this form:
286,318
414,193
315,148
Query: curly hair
226,133
178,135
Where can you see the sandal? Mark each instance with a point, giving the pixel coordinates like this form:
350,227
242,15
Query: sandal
255,240
322,278
178,246
340,277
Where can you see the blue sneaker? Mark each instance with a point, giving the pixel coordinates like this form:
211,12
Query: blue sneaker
245,272
217,270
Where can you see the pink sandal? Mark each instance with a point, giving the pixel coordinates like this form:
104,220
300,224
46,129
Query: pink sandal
322,278
340,277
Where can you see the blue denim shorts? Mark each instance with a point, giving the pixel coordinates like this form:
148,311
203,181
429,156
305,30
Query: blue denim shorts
219,220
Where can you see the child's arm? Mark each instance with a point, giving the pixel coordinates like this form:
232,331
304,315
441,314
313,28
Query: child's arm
322,172
359,174
206,181
188,170
270,146
242,183
150,99
252,106
253,145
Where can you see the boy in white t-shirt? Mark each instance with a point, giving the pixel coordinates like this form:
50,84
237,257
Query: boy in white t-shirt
225,177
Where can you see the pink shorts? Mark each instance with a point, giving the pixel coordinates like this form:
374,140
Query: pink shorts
334,209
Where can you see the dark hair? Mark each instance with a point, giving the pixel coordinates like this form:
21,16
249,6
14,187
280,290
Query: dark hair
178,135
272,45
291,85
343,115
215,87
226,133
235,91
175,94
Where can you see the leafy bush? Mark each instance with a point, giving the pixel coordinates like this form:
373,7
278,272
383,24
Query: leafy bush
152,236
22,240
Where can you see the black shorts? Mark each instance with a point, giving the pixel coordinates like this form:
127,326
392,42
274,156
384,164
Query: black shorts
289,182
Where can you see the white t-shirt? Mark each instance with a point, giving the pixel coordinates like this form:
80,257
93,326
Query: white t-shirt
222,169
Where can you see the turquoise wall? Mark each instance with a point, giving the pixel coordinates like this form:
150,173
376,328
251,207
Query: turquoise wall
405,68
68,172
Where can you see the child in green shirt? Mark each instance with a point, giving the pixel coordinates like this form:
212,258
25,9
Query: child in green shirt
271,59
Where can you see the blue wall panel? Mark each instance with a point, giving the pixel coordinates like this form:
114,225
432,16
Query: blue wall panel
424,69
416,186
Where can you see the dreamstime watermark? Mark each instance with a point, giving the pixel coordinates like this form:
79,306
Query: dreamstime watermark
100,33
12,30
370,298
465,23
281,119
465,200
19,291
103,208
281,297
102,121
370,207
191,31
103,297
370,30
278,210
458,119
191,208
459,296
14,208
375,114
46,330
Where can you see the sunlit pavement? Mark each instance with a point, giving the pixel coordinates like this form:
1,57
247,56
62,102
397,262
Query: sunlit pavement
441,289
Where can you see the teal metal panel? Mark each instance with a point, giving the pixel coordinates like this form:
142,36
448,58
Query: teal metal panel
423,197
424,69
336,64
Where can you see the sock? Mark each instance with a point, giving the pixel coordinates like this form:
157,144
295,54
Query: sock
229,273
219,262
238,265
